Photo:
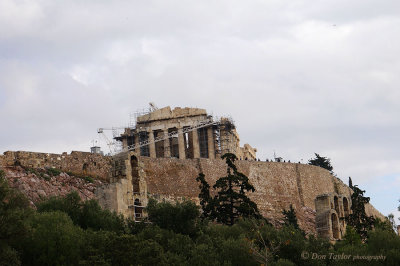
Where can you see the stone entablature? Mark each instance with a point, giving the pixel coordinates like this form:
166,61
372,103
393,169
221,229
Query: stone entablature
331,212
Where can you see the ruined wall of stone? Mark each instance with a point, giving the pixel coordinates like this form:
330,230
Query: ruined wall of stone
85,163
277,184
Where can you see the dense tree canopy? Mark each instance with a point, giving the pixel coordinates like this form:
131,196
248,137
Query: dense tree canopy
320,161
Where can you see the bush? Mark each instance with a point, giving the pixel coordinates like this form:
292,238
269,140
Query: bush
86,214
182,218
88,179
55,240
53,171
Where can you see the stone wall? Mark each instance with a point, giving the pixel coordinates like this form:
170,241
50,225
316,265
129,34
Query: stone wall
85,163
277,184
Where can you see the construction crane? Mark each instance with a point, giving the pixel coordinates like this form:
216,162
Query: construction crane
112,146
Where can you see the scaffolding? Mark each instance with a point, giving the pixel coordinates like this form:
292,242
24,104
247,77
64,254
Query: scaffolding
174,134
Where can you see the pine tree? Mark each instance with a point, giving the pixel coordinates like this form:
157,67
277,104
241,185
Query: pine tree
231,201
320,161
205,198
290,217
358,219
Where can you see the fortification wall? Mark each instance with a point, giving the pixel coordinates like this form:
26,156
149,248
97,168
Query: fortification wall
277,184
77,162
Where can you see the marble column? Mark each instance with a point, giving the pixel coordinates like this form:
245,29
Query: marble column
152,144
210,140
181,144
167,150
196,144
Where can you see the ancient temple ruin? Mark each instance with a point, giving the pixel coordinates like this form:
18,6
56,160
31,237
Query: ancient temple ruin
184,133
331,212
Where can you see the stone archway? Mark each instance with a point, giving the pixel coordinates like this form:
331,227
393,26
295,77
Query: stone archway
335,226
346,207
135,173
336,203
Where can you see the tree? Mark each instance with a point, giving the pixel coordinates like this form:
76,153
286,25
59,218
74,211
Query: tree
320,161
231,201
180,217
14,213
358,219
204,196
88,214
392,222
290,217
55,240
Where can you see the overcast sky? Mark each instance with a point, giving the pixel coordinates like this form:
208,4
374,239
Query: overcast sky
297,77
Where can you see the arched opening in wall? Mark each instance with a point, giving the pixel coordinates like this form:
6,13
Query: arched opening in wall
336,202
85,168
135,173
345,207
138,209
335,226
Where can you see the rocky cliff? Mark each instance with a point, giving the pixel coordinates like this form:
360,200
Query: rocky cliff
39,183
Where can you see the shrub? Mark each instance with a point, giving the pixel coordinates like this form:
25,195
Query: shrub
53,171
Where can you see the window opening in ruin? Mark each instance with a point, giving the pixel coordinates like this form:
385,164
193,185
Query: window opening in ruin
135,173
203,142
144,136
85,167
173,143
159,144
336,202
335,226
138,208
345,206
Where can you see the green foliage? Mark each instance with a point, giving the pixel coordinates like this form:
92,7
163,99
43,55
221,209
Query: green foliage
358,218
231,201
54,241
204,196
86,214
182,218
386,224
88,179
320,161
14,212
290,217
53,171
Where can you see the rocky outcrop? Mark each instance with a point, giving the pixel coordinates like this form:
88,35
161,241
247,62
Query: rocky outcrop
39,183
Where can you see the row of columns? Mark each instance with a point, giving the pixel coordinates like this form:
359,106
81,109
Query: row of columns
181,144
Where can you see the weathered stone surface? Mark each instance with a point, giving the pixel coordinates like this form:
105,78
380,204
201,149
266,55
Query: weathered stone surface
85,163
277,184
37,188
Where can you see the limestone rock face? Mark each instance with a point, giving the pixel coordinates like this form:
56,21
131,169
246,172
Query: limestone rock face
37,187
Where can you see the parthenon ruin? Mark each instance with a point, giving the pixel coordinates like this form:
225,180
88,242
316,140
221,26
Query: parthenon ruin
184,133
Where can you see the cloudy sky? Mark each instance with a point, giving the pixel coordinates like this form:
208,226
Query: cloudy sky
297,77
